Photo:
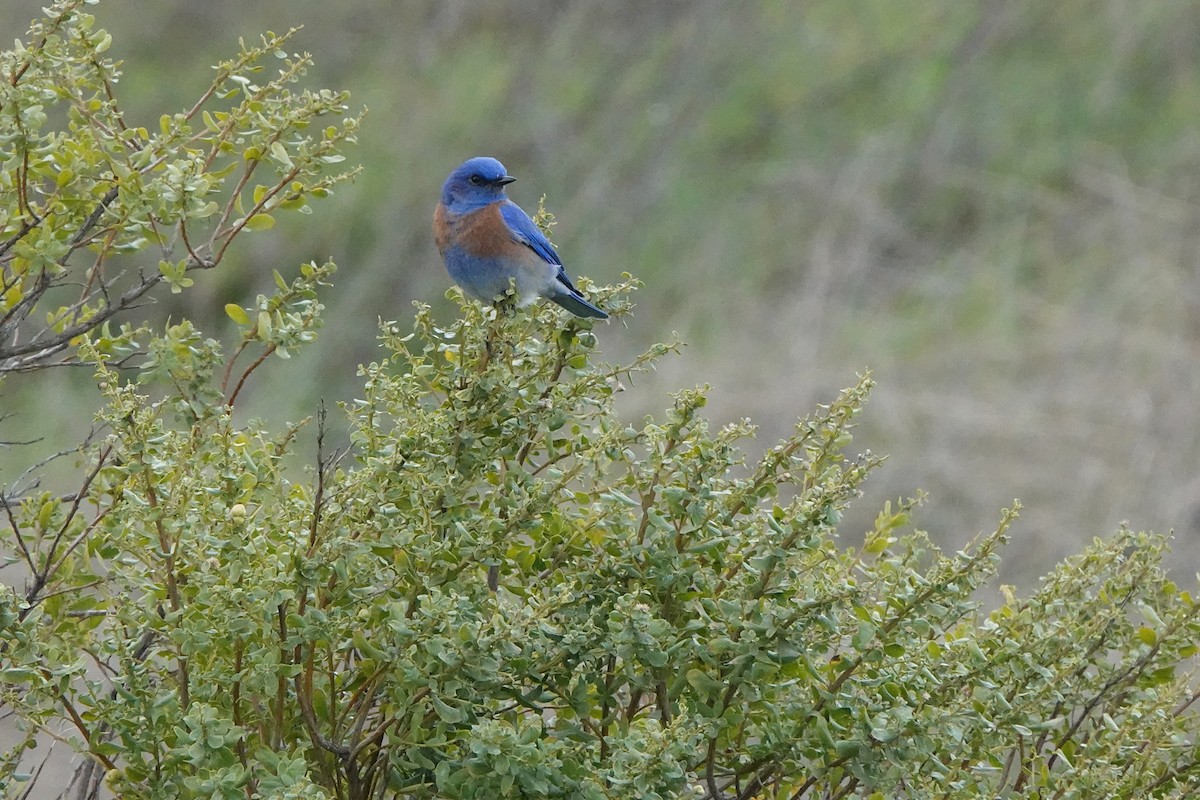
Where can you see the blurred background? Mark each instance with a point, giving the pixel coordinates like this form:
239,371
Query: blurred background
992,204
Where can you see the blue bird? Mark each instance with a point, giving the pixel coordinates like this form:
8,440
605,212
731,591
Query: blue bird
486,240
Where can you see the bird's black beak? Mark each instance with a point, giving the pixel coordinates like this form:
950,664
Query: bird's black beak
507,179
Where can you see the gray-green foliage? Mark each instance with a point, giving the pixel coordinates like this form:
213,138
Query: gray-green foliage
668,620
86,195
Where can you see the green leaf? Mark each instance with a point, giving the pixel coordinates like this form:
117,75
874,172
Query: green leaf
264,326
237,314
702,682
260,222
863,636
280,154
447,713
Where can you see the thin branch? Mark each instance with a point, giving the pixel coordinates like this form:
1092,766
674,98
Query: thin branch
95,270
61,340
42,577
167,547
24,307
324,465
199,263
20,442
281,685
560,363
102,73
23,178
242,381
17,490
90,222
79,539
17,532
37,773
83,731
55,24
231,204
241,348
230,234
812,779
609,670
26,227
303,684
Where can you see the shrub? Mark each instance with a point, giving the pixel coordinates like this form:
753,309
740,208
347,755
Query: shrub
502,588
86,195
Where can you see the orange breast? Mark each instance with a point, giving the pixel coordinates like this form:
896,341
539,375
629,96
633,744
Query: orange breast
441,228
484,232
479,233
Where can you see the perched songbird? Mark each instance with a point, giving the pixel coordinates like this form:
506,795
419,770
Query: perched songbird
486,239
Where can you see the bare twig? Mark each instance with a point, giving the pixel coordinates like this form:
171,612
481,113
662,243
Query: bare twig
17,490
43,347
233,358
242,381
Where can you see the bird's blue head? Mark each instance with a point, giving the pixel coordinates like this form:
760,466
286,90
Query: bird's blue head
475,183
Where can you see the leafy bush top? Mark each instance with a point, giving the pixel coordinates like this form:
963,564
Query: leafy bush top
667,619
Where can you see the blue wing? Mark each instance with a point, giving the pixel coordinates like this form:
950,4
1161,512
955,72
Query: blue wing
526,232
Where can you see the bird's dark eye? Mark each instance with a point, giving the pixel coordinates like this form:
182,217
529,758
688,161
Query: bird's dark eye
477,180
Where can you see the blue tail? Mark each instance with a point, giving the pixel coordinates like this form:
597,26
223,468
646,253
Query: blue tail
578,306
566,295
